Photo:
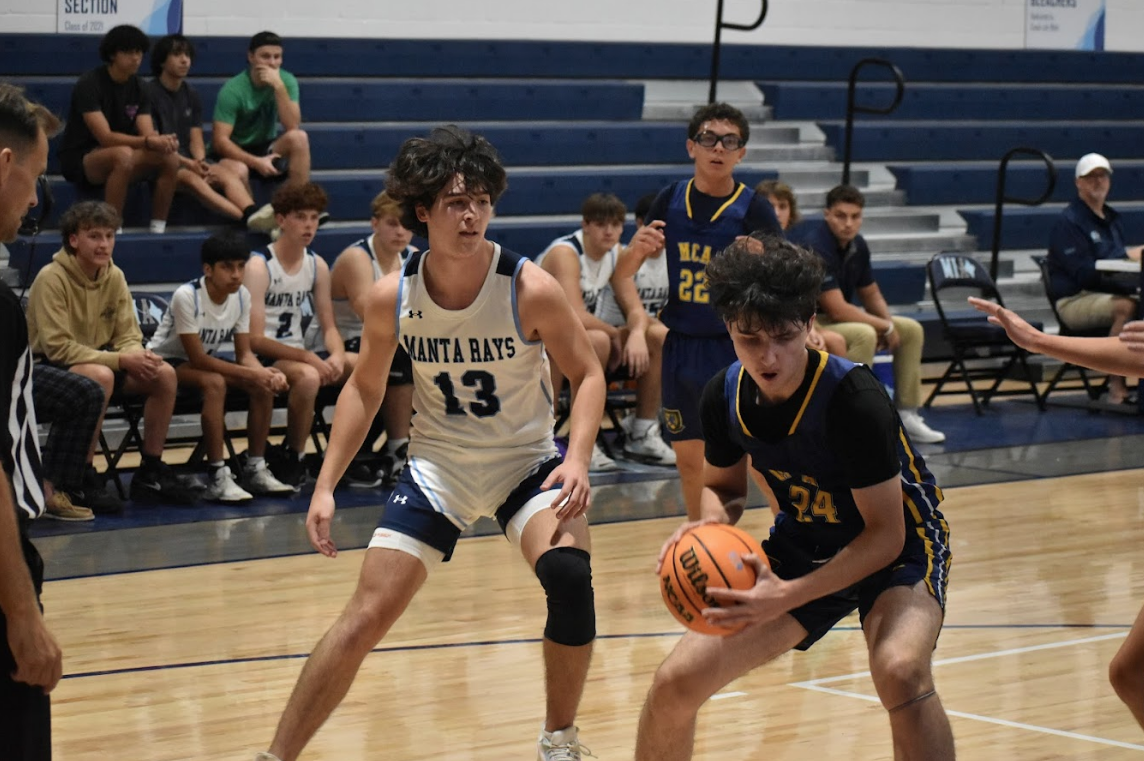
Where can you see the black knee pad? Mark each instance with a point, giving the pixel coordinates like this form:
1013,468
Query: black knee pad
566,575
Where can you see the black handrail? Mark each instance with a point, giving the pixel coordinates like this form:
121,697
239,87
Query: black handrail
719,26
852,109
1002,199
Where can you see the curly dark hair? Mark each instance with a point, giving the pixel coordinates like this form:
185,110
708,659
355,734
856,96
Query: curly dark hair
424,166
765,282
724,112
87,215
307,196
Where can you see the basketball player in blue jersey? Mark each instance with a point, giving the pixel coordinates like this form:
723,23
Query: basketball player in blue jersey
1118,355
356,269
859,526
476,321
283,280
694,219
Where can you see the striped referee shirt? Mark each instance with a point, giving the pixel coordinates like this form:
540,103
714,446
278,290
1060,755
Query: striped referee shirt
19,445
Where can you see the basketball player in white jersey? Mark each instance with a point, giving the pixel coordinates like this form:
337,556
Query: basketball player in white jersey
476,321
355,270
582,262
642,336
205,315
283,280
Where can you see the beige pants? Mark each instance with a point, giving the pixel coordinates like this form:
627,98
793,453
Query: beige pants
862,343
1088,309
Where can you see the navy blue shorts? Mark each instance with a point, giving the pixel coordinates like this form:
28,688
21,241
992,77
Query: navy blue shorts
400,369
438,519
922,560
688,363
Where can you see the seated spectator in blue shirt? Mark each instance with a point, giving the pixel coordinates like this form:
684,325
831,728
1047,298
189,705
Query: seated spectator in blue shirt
1089,230
176,109
110,139
871,327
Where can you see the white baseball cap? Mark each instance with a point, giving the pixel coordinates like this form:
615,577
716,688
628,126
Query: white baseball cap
1090,161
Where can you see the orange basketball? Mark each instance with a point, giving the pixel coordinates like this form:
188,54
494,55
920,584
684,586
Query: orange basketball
710,555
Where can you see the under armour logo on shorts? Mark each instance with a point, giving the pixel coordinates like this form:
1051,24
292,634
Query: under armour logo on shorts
401,499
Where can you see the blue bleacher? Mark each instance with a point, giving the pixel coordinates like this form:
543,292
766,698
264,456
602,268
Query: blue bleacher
953,183
968,100
1029,228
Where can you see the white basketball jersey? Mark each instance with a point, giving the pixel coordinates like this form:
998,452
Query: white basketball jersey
478,382
349,324
288,302
192,311
651,282
594,274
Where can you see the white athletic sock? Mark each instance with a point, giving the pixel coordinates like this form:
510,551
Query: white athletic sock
640,427
158,226
253,463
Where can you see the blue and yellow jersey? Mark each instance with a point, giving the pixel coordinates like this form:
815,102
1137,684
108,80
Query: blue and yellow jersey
691,242
808,478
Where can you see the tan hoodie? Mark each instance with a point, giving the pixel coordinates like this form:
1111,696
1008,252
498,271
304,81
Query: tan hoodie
73,319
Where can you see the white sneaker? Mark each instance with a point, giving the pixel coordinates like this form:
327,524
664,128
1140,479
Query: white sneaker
223,488
649,448
266,757
600,462
261,221
561,745
261,482
917,429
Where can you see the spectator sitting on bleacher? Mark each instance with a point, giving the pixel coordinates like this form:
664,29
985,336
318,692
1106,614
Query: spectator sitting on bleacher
355,271
849,275
1088,230
204,315
81,317
176,109
247,113
785,203
284,279
110,139
582,263
642,336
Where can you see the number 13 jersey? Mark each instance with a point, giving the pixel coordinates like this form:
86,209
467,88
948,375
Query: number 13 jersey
478,382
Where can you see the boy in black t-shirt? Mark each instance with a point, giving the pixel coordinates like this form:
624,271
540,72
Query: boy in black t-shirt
176,109
110,139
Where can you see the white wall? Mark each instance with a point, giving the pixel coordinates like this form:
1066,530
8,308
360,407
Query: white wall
920,23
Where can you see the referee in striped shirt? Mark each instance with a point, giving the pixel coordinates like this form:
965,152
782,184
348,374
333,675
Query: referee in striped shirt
30,659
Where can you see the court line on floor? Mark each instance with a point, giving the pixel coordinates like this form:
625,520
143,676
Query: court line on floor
529,641
816,685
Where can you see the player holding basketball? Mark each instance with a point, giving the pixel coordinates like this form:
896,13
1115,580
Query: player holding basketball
694,219
1119,355
859,525
476,321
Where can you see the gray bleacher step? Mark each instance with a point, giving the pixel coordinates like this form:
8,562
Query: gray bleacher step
677,99
825,177
918,247
777,154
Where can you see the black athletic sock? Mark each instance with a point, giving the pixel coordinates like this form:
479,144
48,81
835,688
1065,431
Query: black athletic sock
248,211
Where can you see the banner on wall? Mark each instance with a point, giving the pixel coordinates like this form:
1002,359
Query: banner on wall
1064,24
155,17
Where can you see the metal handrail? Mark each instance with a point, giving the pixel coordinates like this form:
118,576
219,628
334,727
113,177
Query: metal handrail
852,108
1002,199
720,25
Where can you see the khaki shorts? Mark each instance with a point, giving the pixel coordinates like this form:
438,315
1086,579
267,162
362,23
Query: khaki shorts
1088,309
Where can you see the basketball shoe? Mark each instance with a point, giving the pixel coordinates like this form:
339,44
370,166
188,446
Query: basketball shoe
649,447
223,488
917,429
600,462
561,745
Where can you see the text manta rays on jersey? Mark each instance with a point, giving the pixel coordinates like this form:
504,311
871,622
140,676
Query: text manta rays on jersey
459,350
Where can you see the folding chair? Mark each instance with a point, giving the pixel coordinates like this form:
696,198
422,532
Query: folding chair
981,351
1093,390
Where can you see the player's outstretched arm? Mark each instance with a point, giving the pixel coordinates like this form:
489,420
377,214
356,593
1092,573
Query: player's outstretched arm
1118,355
357,405
546,314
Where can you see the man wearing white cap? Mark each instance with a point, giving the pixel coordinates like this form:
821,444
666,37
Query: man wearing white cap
1088,230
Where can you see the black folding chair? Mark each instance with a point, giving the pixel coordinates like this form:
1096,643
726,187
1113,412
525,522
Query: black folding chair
981,350
1090,387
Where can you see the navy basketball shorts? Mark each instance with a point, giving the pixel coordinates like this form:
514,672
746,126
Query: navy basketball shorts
437,498
688,363
400,369
926,560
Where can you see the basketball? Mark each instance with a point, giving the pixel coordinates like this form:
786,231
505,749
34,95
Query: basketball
710,555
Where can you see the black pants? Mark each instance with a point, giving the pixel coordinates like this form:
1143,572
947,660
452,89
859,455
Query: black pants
25,711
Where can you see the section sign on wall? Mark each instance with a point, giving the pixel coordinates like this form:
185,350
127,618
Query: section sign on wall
1065,24
155,17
